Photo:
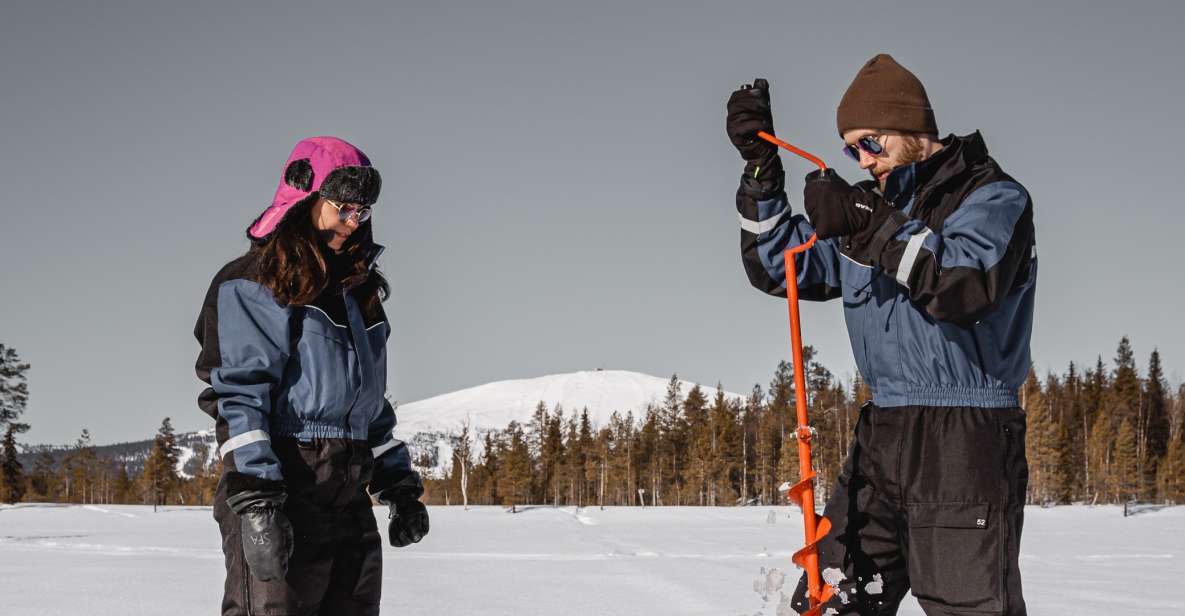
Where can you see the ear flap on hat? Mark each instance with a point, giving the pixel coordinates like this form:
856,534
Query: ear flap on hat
299,174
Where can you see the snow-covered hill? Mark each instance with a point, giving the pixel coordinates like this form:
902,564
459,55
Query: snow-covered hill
494,405
427,424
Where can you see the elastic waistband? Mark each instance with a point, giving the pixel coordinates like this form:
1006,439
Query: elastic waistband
946,395
306,429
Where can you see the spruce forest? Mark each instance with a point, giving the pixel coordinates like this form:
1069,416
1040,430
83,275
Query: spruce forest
1104,434
1110,432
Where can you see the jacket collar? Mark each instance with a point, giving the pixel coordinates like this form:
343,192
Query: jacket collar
956,156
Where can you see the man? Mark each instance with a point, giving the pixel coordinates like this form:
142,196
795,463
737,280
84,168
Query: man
934,259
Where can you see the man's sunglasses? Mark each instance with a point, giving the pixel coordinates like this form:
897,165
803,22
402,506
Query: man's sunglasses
868,143
346,211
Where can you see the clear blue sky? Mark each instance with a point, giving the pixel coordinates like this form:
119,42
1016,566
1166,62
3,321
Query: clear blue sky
558,188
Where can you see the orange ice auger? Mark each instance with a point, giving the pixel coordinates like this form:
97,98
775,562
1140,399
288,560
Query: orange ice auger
803,492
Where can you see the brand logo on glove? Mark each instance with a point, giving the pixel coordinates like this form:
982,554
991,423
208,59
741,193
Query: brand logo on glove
863,207
262,539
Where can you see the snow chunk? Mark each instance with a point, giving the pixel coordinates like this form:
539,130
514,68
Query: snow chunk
769,582
876,586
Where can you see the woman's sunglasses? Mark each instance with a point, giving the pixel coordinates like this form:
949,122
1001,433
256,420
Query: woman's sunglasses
868,143
346,211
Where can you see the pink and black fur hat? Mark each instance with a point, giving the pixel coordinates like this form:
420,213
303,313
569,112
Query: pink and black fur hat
319,167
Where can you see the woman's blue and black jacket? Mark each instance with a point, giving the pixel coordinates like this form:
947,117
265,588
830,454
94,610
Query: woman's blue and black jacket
316,371
939,305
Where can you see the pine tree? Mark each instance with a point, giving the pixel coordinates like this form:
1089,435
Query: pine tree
699,450
43,480
672,443
724,419
602,443
14,386
625,436
751,436
552,457
485,486
82,469
618,464
1171,480
1077,432
123,488
514,480
648,456
586,472
1063,467
777,432
1100,449
1037,449
1124,470
1157,424
160,478
574,455
12,476
14,397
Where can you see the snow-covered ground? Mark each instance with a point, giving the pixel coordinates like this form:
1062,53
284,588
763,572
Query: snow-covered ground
57,559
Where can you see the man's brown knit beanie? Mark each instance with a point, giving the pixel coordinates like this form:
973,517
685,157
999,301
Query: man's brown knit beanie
886,95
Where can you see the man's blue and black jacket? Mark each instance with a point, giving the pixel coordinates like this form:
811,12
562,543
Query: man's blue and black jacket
939,305
289,377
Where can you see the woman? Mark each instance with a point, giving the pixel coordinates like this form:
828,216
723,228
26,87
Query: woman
293,339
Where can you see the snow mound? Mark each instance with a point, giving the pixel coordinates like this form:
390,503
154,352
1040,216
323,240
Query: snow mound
494,405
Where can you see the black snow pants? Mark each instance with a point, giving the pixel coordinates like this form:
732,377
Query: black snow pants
930,500
336,564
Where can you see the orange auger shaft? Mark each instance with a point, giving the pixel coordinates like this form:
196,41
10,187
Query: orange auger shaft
803,493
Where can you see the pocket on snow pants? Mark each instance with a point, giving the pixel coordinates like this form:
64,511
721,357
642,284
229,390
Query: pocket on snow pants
956,555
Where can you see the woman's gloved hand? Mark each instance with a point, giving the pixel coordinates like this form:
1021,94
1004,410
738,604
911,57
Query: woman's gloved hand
409,517
266,532
408,521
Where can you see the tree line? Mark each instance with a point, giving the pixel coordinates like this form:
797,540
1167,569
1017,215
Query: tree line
1110,433
1107,434
78,474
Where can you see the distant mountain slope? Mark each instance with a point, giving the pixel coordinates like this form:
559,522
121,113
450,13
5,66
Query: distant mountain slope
494,405
427,425
132,454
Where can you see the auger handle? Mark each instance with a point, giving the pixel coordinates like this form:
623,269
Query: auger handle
803,153
803,493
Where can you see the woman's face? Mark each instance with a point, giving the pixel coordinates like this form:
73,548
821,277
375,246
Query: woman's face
327,220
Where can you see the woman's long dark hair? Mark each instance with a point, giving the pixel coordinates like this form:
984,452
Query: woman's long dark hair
293,266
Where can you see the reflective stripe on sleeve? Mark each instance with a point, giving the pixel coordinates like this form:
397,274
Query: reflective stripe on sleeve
910,257
760,226
245,438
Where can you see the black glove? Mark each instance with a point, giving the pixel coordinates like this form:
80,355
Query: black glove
409,521
267,535
837,209
749,112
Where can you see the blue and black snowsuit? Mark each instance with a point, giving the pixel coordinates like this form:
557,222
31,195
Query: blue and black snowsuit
298,395
939,310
